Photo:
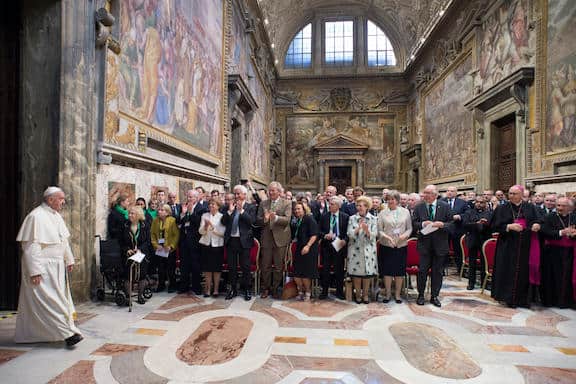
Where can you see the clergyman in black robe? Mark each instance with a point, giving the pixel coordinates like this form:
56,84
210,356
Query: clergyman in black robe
514,221
558,275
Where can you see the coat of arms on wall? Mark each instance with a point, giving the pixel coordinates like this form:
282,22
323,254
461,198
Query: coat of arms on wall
340,98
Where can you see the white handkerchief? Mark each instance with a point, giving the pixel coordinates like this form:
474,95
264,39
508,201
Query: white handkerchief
337,244
162,253
137,257
428,229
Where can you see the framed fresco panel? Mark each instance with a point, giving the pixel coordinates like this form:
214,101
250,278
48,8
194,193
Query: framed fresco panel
560,124
258,130
183,187
375,130
448,132
116,189
171,72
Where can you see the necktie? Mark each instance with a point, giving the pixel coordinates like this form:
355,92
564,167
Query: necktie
235,221
451,203
431,212
273,205
334,225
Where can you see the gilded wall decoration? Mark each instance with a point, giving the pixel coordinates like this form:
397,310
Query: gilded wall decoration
561,76
304,132
507,43
117,189
170,74
448,128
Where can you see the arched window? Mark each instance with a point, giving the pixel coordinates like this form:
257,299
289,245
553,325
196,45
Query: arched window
380,51
299,54
339,49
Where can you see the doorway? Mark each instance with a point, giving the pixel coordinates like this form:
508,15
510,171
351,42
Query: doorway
504,153
341,178
10,155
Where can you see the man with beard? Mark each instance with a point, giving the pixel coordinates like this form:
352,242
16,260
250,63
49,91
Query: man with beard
517,251
558,276
476,223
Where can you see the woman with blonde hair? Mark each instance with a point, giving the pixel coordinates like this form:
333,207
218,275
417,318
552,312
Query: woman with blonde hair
362,235
165,235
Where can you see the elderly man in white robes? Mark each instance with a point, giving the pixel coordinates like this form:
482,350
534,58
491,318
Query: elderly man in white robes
45,307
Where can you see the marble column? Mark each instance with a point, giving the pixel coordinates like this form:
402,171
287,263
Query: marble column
321,164
360,172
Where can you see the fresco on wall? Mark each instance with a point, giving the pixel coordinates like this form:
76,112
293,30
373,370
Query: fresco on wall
183,187
117,189
505,42
303,133
170,72
238,47
561,76
258,130
448,125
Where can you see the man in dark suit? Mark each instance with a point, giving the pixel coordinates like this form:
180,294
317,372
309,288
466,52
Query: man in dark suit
476,223
333,225
458,207
349,206
433,247
202,197
190,218
238,239
319,208
176,208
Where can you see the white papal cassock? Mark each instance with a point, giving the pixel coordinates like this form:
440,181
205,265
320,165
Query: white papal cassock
45,311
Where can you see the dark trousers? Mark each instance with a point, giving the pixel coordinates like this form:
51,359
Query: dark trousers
332,258
166,267
455,239
190,268
475,254
430,259
238,255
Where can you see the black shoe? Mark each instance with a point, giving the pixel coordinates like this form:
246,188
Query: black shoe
386,300
358,301
434,301
206,295
470,286
231,295
341,295
141,300
74,339
420,300
365,301
398,301
323,295
182,291
247,296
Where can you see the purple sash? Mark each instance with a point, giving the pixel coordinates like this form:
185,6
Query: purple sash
567,243
534,258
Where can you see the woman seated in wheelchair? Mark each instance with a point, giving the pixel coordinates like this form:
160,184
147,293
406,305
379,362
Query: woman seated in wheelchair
136,238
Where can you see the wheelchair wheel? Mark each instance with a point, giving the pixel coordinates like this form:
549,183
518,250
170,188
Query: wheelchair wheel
120,299
147,293
100,295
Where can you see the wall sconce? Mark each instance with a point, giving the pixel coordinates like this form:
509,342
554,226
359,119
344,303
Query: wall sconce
103,20
142,141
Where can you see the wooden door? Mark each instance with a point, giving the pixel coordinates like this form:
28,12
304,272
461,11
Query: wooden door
505,155
341,178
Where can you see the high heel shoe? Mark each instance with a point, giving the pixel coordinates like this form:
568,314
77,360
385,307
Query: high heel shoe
386,300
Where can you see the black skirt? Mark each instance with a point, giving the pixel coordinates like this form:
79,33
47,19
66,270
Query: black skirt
211,259
392,261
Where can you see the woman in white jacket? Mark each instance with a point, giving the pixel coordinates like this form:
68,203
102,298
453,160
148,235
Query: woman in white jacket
212,243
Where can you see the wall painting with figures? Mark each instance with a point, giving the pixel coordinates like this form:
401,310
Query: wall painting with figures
448,127
507,42
169,77
561,77
304,132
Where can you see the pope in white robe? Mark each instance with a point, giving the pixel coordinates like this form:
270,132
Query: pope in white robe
45,308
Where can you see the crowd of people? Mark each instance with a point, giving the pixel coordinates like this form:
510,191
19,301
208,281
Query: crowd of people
333,237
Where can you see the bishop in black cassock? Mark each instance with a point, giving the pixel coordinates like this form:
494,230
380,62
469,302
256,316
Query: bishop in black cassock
514,221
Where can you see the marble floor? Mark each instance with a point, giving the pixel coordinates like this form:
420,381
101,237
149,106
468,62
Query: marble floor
188,339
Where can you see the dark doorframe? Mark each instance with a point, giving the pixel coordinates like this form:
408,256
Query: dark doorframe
9,154
504,153
340,177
